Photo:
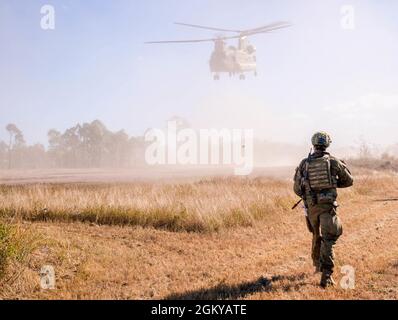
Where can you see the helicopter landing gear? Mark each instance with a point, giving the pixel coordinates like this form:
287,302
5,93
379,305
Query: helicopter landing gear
242,77
216,77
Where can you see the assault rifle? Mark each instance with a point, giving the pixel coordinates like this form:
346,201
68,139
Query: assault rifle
376,200
386,200
296,205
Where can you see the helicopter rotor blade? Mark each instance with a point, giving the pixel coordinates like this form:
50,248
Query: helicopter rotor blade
265,29
269,27
180,41
207,28
269,30
194,40
272,26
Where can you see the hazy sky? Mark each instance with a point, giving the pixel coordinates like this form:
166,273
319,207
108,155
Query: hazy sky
94,65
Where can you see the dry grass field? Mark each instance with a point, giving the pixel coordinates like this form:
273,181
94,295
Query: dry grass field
215,238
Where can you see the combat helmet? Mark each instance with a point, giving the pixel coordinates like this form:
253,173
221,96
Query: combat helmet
321,140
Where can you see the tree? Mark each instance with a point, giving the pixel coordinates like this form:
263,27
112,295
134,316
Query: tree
54,152
70,143
3,155
86,145
92,139
16,139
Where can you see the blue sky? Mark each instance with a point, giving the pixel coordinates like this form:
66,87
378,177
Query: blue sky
94,65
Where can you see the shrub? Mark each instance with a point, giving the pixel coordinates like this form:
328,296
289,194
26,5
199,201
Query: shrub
16,244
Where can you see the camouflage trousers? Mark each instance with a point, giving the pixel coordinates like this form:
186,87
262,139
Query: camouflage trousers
326,228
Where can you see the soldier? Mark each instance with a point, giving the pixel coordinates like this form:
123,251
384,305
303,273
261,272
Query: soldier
315,181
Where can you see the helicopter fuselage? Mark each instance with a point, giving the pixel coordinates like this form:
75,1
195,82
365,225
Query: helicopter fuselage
233,60
229,59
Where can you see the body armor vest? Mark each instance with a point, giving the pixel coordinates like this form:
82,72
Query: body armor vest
319,174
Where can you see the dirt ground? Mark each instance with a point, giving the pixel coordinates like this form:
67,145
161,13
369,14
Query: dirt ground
159,173
268,261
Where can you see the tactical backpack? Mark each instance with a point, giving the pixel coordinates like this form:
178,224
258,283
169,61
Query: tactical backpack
319,174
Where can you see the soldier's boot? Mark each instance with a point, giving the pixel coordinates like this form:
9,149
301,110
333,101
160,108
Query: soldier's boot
327,280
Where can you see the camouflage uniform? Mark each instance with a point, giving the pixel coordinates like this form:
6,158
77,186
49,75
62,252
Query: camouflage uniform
322,219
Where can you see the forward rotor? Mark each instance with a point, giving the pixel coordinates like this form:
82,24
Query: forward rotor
241,33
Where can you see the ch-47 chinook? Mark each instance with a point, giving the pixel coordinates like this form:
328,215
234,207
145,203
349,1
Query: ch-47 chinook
230,59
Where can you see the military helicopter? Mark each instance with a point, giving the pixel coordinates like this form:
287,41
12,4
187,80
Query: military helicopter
230,59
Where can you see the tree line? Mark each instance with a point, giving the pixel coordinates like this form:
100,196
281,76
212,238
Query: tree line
92,145
87,145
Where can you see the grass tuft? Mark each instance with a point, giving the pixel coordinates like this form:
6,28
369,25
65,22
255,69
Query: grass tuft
16,244
204,206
